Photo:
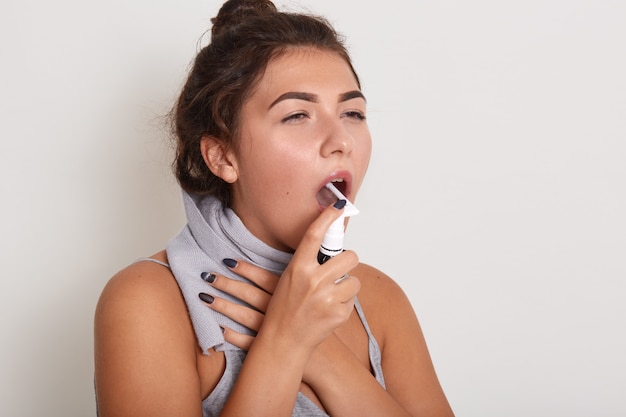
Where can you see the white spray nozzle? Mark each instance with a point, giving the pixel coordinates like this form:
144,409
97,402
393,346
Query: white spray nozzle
349,209
333,239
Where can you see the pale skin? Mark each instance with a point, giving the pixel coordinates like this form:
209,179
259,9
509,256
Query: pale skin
309,338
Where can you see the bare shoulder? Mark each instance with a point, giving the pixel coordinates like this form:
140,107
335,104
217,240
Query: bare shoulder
376,283
384,302
143,298
140,291
378,290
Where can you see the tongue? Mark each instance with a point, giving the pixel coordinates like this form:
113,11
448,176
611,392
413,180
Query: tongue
326,197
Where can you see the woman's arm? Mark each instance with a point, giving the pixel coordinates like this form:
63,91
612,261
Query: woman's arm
145,348
338,378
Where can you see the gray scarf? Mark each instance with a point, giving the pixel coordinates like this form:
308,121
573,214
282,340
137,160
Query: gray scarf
214,232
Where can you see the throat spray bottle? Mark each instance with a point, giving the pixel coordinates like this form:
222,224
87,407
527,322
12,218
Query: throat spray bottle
332,244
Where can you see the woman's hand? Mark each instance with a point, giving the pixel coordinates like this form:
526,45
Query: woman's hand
256,296
302,307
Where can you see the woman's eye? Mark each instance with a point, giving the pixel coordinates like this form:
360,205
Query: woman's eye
295,117
355,114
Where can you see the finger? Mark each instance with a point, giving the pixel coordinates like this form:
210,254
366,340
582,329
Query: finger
337,266
347,287
244,315
263,278
242,341
343,277
312,239
243,291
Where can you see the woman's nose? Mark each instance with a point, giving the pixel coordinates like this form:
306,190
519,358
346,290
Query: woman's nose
337,139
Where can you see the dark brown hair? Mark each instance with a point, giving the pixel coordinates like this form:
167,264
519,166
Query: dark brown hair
246,35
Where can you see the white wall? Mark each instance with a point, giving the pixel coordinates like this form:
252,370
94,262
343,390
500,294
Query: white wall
496,194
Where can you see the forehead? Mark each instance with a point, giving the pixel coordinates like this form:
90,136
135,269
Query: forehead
309,70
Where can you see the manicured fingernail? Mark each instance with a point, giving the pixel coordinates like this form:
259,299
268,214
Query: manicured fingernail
339,204
206,298
231,263
223,329
208,277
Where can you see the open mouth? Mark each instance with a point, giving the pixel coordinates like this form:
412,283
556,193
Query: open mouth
325,197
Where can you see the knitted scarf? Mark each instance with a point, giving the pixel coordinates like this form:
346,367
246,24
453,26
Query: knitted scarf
213,233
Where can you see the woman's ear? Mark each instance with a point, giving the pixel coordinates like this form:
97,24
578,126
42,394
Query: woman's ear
219,158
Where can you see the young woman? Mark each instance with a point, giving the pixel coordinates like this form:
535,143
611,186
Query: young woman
237,317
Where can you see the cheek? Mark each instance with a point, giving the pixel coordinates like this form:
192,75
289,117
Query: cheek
282,177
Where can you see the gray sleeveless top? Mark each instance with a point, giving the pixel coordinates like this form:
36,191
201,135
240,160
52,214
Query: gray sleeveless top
214,232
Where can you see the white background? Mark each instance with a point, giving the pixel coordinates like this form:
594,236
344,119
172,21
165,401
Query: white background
495,197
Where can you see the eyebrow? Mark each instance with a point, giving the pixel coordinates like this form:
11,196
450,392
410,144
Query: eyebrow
313,98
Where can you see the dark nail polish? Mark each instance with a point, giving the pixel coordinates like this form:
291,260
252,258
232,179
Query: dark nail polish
231,263
339,204
210,278
206,298
223,329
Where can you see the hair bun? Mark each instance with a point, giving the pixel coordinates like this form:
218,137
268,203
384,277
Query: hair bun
234,12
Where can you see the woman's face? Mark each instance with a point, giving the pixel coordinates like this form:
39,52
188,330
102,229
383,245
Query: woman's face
303,126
